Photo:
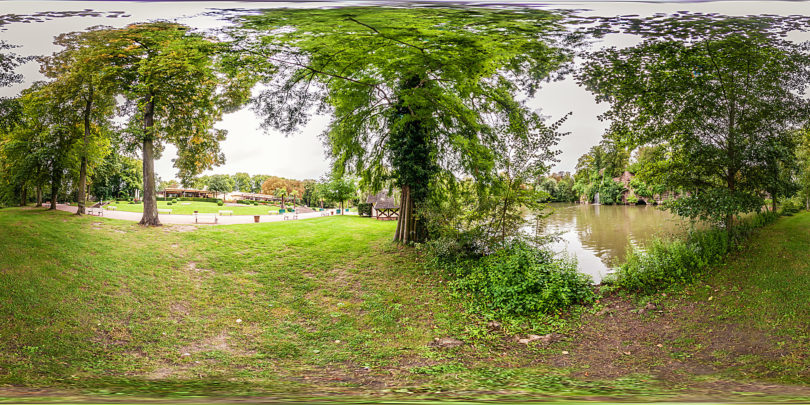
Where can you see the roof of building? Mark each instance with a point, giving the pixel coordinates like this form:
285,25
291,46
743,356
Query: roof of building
382,200
187,190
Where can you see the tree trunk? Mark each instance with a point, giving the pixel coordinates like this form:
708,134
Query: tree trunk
39,196
408,228
83,170
23,195
54,191
773,203
150,214
341,208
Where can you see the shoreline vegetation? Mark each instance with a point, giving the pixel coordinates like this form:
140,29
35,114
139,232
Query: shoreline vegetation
331,308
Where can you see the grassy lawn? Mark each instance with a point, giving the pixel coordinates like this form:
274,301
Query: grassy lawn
188,208
329,307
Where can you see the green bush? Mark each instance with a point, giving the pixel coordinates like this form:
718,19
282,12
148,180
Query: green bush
665,263
789,208
364,209
169,203
174,201
198,199
220,203
514,279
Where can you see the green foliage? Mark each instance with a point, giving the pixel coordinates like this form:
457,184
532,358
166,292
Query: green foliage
418,95
220,183
364,209
515,279
789,208
174,200
118,175
220,203
662,264
609,191
9,61
169,203
664,92
632,198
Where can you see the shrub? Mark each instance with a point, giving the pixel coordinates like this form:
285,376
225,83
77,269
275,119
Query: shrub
664,263
364,209
789,208
174,201
169,203
220,203
515,279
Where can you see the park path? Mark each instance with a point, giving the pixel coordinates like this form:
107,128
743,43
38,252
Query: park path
189,219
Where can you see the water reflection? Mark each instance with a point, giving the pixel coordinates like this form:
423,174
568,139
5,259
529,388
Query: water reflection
599,235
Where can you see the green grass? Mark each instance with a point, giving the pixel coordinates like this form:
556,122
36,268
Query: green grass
765,289
188,208
92,302
328,306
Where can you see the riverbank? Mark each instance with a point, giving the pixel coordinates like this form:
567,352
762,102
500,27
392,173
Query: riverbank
328,307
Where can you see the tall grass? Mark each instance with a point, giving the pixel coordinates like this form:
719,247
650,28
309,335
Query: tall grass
667,262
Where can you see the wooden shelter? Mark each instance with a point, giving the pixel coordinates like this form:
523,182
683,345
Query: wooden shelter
383,206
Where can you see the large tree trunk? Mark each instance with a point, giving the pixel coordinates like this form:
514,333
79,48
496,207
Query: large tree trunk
83,170
408,228
150,214
773,203
39,195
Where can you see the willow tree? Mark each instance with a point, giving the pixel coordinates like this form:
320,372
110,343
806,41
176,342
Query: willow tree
176,92
416,95
721,92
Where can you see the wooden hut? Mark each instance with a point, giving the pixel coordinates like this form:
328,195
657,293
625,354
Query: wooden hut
383,206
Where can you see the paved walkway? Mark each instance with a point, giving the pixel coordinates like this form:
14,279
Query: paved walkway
189,219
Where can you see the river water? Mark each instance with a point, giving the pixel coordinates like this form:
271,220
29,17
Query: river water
598,236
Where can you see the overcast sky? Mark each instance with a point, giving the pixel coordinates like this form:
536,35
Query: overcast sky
250,149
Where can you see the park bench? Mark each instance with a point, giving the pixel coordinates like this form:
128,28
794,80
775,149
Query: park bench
95,211
112,207
223,212
209,217
164,211
293,215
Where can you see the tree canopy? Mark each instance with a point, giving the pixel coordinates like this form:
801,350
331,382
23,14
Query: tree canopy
719,91
419,95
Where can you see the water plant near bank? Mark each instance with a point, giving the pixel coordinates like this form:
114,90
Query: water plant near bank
664,263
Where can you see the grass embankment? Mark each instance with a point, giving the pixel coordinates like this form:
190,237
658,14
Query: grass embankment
188,208
329,306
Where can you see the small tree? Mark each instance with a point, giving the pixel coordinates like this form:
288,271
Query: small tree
280,192
220,183
294,195
340,189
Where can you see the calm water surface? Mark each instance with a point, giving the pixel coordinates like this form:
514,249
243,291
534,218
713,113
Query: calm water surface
600,235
